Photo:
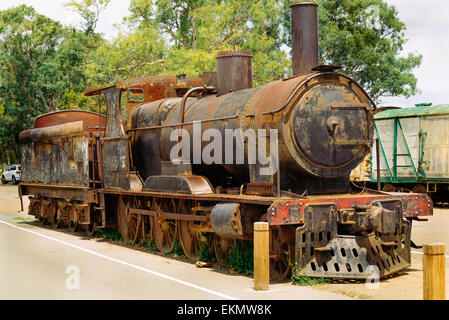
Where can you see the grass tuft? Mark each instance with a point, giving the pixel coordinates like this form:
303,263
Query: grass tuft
241,260
205,254
303,280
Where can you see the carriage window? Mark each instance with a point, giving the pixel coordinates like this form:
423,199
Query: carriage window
136,95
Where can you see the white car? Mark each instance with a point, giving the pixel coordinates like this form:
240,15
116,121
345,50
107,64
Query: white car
12,174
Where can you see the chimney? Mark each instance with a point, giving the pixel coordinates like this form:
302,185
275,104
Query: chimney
234,71
305,55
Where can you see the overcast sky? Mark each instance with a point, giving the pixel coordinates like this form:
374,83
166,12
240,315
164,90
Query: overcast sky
427,30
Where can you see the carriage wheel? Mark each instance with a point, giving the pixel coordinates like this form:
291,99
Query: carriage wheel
73,226
221,248
90,229
279,260
122,218
57,221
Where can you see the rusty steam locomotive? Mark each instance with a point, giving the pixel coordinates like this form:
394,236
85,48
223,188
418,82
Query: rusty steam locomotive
84,169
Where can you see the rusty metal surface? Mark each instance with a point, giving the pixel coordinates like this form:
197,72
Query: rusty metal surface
70,193
182,184
293,211
226,220
304,37
55,155
156,87
91,121
234,71
116,162
58,149
210,78
302,106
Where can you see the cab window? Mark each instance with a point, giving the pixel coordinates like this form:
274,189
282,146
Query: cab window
136,95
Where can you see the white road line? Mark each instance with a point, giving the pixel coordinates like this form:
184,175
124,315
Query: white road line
123,263
417,252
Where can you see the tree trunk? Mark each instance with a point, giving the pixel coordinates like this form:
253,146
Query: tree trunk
194,34
8,162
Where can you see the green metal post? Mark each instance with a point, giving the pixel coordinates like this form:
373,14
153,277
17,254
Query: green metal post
395,150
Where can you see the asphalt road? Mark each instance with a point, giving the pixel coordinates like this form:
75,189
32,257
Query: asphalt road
43,263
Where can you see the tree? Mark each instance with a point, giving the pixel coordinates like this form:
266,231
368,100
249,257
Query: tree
197,30
131,55
39,65
89,11
366,37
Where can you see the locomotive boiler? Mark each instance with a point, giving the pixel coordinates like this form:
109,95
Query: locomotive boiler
202,165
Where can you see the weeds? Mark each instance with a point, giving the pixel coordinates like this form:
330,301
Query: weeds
303,280
241,260
151,245
205,253
175,251
26,219
108,234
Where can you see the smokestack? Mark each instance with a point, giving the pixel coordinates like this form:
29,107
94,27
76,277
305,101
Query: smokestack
305,53
234,71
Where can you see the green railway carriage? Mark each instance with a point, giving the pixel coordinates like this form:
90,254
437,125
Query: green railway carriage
413,150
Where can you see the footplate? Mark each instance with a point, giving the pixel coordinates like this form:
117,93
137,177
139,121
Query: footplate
321,252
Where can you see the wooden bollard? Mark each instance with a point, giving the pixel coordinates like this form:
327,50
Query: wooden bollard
261,256
434,280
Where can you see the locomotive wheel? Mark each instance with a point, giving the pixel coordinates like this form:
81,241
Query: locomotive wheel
73,226
164,231
190,240
147,229
279,257
90,229
221,248
164,235
134,230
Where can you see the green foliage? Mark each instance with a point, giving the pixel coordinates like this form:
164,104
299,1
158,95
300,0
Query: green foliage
40,64
303,280
175,251
241,259
205,254
197,30
26,219
89,11
108,234
152,246
130,55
